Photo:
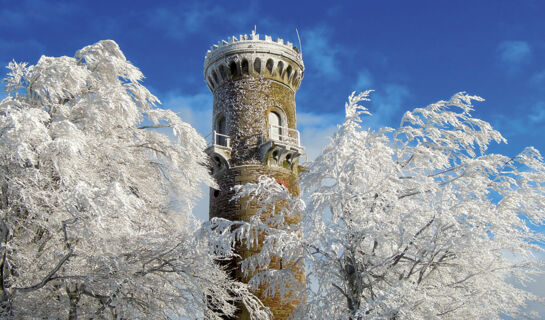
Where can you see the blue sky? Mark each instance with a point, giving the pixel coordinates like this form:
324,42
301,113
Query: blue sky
411,52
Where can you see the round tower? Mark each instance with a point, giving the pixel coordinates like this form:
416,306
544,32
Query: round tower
254,130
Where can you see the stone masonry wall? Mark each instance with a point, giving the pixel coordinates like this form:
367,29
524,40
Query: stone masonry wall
245,104
221,206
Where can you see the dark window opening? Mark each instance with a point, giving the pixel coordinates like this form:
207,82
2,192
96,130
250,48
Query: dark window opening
280,68
233,69
257,65
288,71
270,65
245,67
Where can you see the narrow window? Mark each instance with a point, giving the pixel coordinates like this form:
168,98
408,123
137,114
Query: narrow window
288,71
245,67
233,69
257,65
280,68
295,78
275,126
221,130
270,65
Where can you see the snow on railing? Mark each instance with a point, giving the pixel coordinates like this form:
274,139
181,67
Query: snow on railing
217,139
285,135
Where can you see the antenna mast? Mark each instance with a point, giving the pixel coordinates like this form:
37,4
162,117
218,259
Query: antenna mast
300,44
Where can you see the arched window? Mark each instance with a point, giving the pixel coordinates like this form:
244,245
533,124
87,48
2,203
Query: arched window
221,130
245,67
257,65
233,69
270,65
275,125
280,68
288,72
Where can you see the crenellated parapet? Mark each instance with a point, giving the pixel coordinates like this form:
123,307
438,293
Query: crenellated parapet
249,56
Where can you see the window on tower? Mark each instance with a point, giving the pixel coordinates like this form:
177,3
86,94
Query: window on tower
245,68
221,131
275,126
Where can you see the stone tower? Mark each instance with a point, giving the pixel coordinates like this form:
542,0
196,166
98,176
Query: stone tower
254,82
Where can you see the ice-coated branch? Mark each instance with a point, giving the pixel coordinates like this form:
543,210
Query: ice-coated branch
417,222
49,276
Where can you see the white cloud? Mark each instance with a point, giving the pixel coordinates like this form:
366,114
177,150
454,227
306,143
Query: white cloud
538,288
315,139
386,105
181,21
310,119
536,284
319,52
3,93
538,78
202,205
316,129
178,23
28,45
364,81
195,109
514,54
529,124
28,10
538,113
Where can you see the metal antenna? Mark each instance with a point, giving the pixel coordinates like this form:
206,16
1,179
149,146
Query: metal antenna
300,44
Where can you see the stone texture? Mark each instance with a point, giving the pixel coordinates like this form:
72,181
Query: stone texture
249,79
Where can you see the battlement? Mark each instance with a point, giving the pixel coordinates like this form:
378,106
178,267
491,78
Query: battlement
252,37
249,56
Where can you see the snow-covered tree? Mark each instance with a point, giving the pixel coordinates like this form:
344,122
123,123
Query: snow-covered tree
96,191
418,222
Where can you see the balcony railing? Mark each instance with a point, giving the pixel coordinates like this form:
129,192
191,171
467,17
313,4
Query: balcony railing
217,139
285,135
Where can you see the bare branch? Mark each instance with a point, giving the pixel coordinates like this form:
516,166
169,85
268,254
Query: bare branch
49,276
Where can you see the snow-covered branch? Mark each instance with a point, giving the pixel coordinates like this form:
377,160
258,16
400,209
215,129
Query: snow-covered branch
407,223
91,194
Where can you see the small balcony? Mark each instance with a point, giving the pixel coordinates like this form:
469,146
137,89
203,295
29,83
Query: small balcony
219,150
285,136
283,144
217,139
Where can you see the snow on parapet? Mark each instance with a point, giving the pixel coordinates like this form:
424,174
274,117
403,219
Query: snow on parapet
249,56
251,37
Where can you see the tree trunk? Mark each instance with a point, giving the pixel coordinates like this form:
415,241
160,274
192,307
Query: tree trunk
4,297
73,298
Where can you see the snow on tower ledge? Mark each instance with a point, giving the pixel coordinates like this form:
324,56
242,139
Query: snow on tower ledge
248,56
